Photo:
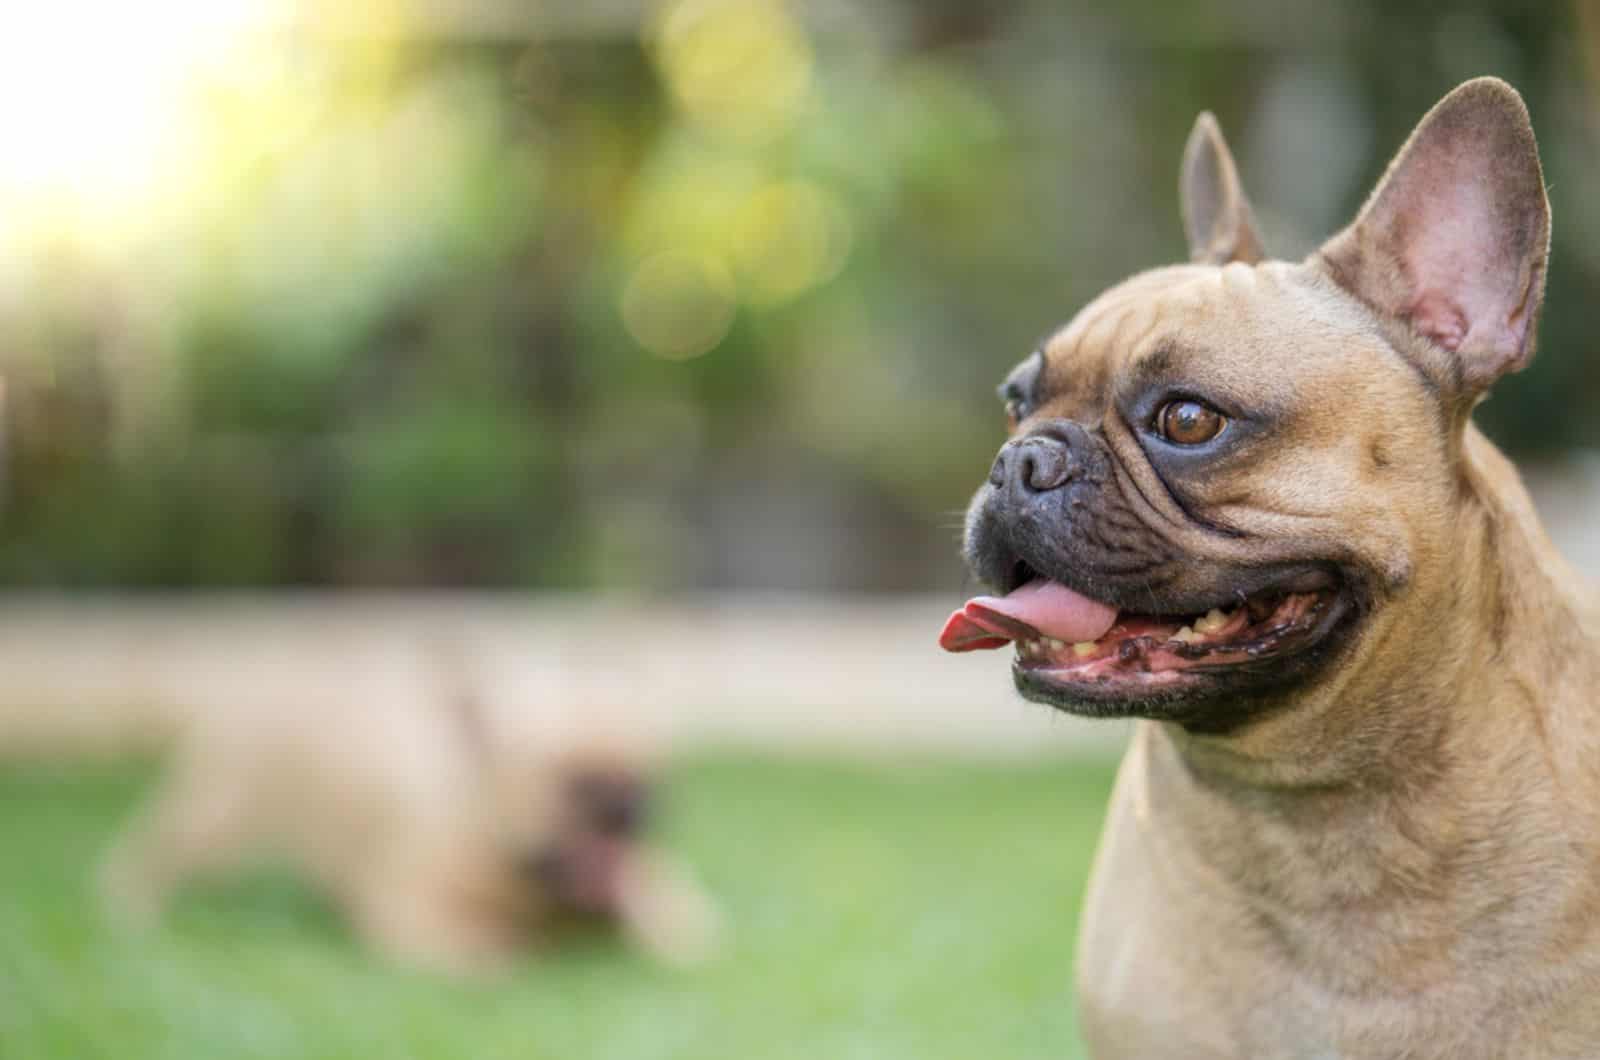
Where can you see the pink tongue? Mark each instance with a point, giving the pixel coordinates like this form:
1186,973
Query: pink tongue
1040,608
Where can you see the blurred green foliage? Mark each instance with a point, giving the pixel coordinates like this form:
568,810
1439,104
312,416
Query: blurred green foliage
711,295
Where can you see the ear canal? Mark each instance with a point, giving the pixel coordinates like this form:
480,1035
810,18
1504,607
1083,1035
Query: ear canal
1455,238
1216,214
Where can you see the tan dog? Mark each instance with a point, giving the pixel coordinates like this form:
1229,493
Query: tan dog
1244,501
444,845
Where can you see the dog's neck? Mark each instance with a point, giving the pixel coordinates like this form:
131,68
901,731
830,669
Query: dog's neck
1356,796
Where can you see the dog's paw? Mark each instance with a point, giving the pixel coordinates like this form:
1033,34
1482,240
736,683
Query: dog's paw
668,914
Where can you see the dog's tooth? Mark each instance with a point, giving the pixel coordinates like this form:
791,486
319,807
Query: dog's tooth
1057,645
1186,634
1083,648
1213,621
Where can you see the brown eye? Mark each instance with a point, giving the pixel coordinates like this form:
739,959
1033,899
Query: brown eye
1189,422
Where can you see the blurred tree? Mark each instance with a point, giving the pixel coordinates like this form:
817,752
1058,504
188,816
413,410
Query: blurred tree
713,295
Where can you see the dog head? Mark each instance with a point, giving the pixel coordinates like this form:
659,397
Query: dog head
557,816
1225,478
586,814
592,862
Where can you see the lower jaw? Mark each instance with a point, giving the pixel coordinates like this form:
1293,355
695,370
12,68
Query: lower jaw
1214,703
1120,693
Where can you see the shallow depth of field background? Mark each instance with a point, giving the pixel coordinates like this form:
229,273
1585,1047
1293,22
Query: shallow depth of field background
653,345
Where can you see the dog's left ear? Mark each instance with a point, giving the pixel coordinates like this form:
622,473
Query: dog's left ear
1216,214
1455,238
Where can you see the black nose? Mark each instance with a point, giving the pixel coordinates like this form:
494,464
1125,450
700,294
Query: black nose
1035,464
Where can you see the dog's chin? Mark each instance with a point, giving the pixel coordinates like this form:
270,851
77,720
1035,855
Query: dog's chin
1210,673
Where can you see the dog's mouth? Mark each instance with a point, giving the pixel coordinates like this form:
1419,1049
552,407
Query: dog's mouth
579,877
1069,642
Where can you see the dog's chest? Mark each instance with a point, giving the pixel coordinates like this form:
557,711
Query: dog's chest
1172,964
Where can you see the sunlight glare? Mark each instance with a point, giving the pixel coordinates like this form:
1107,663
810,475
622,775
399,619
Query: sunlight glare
96,97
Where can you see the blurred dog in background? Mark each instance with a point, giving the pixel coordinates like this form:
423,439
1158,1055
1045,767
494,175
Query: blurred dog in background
446,843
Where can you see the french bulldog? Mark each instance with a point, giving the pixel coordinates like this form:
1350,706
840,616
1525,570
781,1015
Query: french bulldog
444,843
1244,502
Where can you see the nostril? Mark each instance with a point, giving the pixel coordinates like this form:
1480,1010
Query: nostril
1046,464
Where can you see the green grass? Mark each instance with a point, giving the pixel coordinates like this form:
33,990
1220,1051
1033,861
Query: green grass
921,912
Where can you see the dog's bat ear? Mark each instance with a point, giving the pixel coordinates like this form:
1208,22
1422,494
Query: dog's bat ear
1216,214
1455,238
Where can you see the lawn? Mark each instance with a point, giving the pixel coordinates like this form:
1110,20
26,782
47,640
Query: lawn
915,911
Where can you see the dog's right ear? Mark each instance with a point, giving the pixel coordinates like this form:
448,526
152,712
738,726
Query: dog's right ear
1216,214
1455,238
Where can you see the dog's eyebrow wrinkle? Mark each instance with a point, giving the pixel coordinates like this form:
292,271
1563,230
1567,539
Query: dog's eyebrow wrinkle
1151,322
1156,364
1106,325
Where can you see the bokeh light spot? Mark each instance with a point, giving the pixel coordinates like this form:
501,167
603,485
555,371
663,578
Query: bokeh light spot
737,67
790,237
679,305
97,101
